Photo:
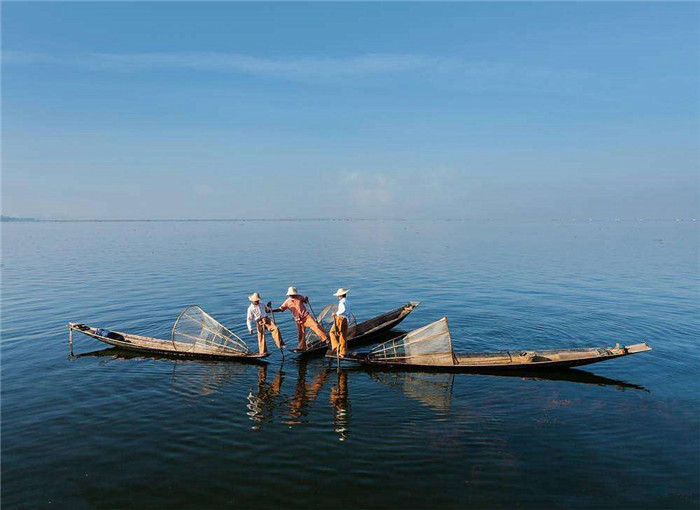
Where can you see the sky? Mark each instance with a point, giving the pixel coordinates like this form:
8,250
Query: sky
470,110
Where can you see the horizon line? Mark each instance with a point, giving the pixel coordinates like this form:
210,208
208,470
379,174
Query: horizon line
26,219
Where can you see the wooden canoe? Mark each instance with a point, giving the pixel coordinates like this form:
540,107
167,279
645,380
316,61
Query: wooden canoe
162,347
367,330
430,348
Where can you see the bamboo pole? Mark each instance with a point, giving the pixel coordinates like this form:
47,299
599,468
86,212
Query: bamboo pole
269,305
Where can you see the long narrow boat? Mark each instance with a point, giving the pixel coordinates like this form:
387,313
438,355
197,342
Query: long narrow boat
195,334
430,348
357,333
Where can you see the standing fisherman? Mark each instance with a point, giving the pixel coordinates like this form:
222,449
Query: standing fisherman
295,304
339,331
257,314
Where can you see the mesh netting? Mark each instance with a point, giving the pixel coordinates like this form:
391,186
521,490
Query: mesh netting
197,331
325,319
429,345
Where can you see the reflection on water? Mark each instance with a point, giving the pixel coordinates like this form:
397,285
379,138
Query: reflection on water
191,439
575,376
430,389
305,392
190,378
208,380
341,405
270,401
261,405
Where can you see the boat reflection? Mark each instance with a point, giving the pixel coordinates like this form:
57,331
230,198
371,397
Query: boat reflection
270,401
572,375
428,381
430,389
190,378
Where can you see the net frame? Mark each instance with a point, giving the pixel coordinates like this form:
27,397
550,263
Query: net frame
395,350
228,342
325,320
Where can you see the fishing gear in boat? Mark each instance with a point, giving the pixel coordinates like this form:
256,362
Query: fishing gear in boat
195,329
325,320
357,333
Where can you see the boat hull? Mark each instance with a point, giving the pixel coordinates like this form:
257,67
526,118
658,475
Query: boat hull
513,360
165,348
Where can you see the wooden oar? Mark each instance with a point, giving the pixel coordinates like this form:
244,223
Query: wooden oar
70,339
337,349
313,314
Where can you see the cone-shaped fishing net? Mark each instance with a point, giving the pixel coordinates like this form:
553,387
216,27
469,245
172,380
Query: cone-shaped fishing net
198,332
429,345
325,319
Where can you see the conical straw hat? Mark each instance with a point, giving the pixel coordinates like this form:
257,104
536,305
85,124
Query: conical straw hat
254,297
341,292
292,291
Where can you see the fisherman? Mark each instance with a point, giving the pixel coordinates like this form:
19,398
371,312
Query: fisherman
295,304
257,314
339,331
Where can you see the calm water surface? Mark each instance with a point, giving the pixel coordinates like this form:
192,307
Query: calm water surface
111,430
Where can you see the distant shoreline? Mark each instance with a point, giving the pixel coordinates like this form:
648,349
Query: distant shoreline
15,219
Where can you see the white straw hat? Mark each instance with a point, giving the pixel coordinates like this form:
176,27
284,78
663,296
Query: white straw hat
292,291
254,297
341,292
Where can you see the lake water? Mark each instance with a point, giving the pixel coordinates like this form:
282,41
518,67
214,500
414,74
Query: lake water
111,430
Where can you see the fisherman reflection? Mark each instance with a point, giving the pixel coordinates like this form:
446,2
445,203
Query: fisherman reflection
261,406
304,394
341,406
269,398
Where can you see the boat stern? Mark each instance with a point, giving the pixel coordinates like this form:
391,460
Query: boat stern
633,349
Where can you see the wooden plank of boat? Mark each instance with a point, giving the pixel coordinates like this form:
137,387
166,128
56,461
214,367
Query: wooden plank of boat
365,331
547,359
430,348
160,346
514,360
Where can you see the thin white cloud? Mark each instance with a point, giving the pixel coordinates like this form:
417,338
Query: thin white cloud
433,69
28,58
202,190
373,189
293,67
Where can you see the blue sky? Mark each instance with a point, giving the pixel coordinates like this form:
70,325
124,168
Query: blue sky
455,110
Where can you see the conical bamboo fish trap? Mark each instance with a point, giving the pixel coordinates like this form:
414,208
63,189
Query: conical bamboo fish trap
197,331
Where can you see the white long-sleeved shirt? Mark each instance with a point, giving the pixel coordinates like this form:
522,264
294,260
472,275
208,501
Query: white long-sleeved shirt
255,313
344,308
